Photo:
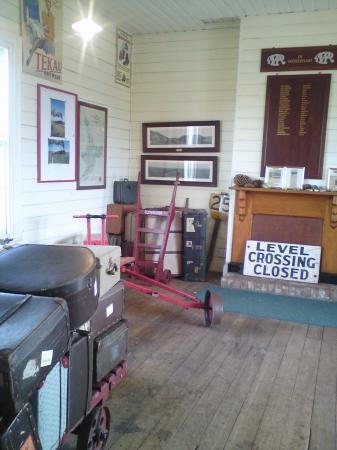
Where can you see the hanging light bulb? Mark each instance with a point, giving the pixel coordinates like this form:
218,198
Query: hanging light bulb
87,28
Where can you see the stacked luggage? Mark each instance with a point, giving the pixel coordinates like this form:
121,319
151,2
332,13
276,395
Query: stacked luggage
194,238
63,343
124,197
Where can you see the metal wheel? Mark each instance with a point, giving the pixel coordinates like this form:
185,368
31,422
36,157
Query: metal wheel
94,430
167,276
213,309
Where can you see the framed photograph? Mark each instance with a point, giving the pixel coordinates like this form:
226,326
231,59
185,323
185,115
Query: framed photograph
181,137
123,58
192,170
294,177
275,177
92,146
332,180
56,135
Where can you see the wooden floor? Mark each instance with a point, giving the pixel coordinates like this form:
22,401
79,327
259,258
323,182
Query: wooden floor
248,384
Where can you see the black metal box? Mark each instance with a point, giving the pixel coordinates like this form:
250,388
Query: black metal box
70,272
195,248
34,334
110,349
194,269
195,223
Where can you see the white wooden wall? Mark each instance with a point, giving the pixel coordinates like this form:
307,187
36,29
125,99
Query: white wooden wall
46,209
283,30
179,77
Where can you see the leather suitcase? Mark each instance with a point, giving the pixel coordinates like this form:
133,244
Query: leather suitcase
21,433
127,249
130,226
34,334
109,266
117,226
80,371
125,191
110,349
49,405
110,310
70,272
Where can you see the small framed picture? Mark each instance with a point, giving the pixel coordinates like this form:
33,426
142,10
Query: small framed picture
294,177
332,179
56,135
275,177
92,146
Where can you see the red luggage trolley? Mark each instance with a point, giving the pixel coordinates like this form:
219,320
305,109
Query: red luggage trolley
138,268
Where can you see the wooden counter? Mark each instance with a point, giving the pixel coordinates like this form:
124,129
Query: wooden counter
300,217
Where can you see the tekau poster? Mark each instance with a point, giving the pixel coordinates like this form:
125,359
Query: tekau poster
41,23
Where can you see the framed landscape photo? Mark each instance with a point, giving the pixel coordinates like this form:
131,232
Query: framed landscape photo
294,177
179,137
56,135
92,146
332,179
275,177
192,170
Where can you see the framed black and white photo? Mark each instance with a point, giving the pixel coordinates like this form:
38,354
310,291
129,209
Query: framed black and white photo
294,177
192,170
92,146
275,177
56,135
179,137
332,179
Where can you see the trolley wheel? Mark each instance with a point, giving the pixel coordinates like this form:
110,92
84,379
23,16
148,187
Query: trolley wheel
167,276
94,430
213,309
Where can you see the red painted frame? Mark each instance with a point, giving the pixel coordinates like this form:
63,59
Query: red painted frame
43,86
105,110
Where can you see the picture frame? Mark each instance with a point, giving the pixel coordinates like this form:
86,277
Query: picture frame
123,58
275,177
331,180
92,146
56,135
294,177
192,170
181,137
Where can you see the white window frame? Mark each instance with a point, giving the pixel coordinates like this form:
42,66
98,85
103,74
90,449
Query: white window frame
13,43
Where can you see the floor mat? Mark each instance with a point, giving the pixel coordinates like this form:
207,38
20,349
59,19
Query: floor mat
280,307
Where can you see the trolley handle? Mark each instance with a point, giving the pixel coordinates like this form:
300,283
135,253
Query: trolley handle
96,216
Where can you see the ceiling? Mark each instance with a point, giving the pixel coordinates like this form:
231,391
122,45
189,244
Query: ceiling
155,16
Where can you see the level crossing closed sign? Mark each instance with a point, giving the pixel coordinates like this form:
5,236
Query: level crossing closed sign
294,262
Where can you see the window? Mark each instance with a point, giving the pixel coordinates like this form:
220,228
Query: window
10,176
4,135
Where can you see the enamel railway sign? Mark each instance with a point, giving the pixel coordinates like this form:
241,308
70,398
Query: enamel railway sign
282,261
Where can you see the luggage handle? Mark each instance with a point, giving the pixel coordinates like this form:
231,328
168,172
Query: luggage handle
14,308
